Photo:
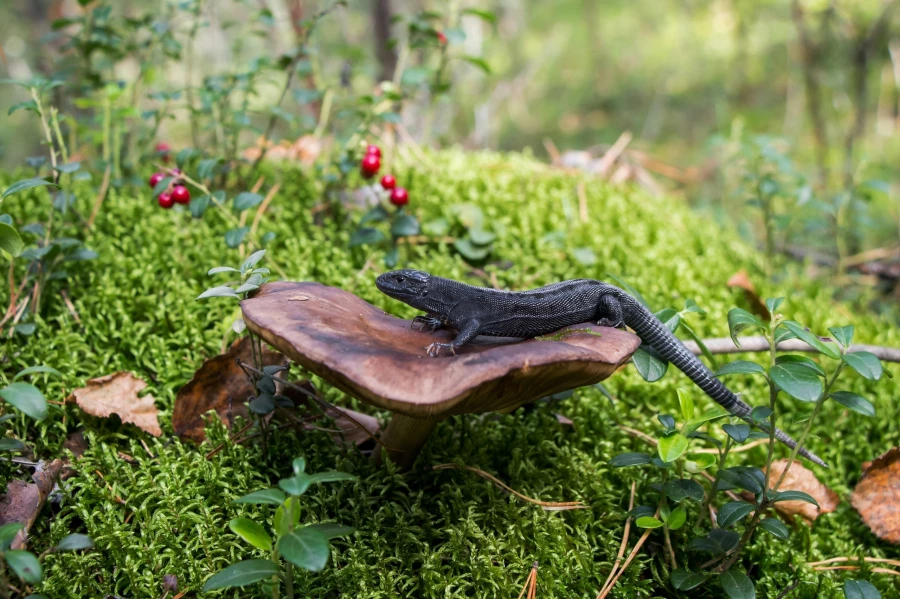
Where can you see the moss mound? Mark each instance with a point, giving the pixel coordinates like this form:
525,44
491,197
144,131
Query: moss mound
424,533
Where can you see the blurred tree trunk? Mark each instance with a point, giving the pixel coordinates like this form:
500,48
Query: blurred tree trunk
810,57
381,25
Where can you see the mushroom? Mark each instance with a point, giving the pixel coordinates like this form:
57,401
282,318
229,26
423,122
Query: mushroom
378,359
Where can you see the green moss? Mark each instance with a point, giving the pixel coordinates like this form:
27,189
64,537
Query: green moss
423,534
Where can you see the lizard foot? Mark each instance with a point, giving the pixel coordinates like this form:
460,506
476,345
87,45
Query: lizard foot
425,323
606,322
434,350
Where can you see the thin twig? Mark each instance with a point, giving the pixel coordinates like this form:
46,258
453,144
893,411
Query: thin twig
104,187
624,543
868,560
758,343
548,504
853,568
637,546
530,583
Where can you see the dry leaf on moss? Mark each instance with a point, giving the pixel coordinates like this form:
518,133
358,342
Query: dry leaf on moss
877,496
741,280
219,385
118,394
23,500
800,478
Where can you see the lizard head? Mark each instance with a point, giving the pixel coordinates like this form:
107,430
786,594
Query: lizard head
407,285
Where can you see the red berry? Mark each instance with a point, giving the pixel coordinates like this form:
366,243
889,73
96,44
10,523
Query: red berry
165,200
181,195
441,37
155,178
370,165
163,150
399,196
373,149
388,182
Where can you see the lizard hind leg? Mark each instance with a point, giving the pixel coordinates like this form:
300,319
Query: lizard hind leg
610,312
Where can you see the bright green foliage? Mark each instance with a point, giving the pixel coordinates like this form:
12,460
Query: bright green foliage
428,534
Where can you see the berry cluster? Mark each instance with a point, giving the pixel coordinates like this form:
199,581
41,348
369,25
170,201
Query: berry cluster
175,193
369,167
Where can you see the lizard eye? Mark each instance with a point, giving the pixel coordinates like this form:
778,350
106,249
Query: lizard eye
400,279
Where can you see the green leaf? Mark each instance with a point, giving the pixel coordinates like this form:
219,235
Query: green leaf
206,168
8,532
470,251
683,580
798,381
26,105
331,530
854,402
772,304
10,240
760,413
687,404
794,496
484,15
865,363
8,444
415,76
683,488
68,168
711,414
740,320
803,360
648,522
366,236
27,398
234,237
745,477
252,260
732,512
717,542
240,574
741,367
677,518
478,62
36,369
672,446
702,460
25,565
251,532
775,527
829,349
624,460
306,548
199,205
738,432
218,269
404,225
246,200
25,184
296,485
843,335
299,465
481,237
670,318
74,542
329,477
737,585
860,589
649,366
287,516
375,215
222,291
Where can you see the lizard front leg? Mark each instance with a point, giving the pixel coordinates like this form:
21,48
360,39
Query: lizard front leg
610,311
426,323
468,332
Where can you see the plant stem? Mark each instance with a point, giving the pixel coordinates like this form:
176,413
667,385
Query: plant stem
289,580
704,511
48,137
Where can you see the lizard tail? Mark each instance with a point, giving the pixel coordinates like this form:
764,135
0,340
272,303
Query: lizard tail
657,335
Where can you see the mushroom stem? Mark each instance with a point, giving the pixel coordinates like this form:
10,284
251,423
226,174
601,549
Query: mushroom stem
405,437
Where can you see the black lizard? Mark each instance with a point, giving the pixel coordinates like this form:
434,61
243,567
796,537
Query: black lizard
474,311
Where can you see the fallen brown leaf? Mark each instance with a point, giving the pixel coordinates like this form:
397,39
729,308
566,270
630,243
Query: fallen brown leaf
118,394
76,443
23,500
741,280
800,478
219,385
877,496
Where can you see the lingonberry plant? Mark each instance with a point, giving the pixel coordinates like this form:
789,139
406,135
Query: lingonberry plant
680,465
400,223
25,564
305,546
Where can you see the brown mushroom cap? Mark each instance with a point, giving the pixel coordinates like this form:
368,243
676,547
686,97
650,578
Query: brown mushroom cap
378,359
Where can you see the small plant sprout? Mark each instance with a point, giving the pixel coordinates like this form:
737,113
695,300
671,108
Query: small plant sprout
25,564
305,546
690,482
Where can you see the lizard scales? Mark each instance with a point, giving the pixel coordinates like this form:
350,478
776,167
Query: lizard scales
474,311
